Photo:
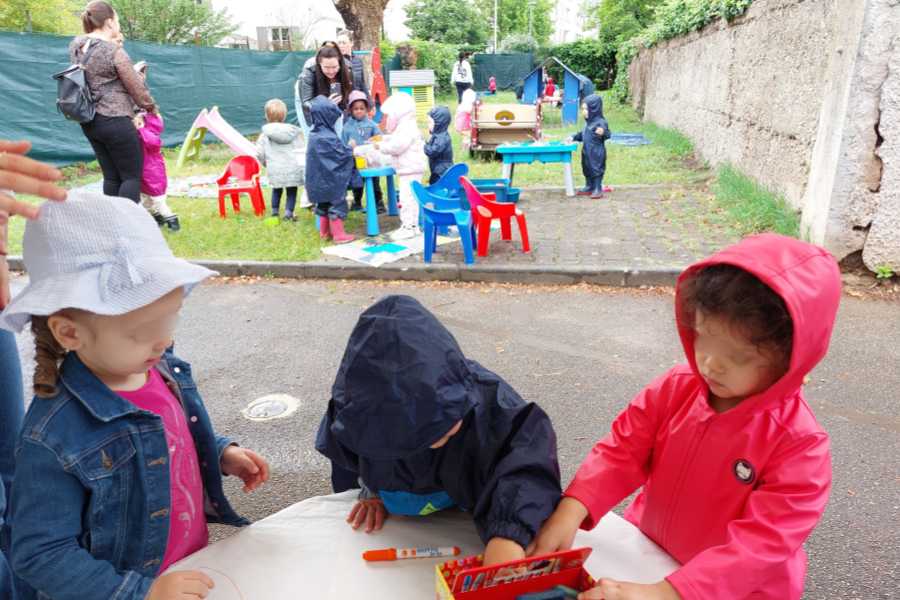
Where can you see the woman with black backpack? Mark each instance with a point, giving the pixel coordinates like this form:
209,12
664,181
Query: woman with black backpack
116,89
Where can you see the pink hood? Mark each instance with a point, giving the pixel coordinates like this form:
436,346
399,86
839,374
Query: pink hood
734,495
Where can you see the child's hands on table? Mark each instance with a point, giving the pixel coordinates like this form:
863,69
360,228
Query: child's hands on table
181,585
370,511
558,532
624,590
246,464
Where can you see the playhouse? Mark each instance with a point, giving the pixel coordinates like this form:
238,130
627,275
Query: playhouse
574,87
420,85
496,124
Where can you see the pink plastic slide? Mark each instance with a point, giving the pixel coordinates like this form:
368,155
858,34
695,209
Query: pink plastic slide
220,128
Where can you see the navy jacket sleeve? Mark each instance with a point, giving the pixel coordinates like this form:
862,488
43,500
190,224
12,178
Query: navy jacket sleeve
437,146
523,488
577,137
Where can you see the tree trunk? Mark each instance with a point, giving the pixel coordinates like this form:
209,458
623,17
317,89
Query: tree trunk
365,19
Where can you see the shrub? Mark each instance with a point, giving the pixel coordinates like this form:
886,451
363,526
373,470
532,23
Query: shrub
594,59
519,42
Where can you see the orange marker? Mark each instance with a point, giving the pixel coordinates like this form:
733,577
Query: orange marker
401,553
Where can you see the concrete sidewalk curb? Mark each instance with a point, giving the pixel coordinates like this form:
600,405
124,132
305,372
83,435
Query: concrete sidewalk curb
617,276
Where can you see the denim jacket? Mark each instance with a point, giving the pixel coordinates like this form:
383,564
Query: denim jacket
90,499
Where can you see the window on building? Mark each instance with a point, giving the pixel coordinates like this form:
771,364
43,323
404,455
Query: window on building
281,38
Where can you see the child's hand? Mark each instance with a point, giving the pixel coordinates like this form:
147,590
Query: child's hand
599,131
558,532
371,511
353,143
138,122
501,550
335,98
624,590
181,585
570,139
246,464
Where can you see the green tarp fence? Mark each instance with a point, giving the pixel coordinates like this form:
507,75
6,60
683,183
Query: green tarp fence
182,79
508,69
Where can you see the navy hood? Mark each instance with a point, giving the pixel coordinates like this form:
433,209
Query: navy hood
324,113
441,117
595,107
403,382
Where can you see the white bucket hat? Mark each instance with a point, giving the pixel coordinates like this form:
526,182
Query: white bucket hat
100,254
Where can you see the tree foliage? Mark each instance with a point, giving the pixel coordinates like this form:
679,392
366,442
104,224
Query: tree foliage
446,21
513,17
519,42
48,16
595,59
172,21
621,20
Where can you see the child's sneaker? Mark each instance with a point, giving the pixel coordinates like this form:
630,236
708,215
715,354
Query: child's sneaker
404,233
158,218
289,217
172,223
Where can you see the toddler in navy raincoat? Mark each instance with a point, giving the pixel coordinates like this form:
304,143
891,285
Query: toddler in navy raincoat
593,154
329,165
439,148
423,428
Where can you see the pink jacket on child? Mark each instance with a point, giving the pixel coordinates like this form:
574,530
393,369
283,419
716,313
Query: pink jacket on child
733,495
404,145
153,181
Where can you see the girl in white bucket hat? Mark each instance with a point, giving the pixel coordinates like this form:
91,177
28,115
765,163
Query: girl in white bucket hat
118,469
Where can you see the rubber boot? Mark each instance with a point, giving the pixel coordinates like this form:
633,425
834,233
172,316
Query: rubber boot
598,188
588,188
159,219
324,229
338,233
172,223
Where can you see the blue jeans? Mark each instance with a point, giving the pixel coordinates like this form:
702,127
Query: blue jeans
12,407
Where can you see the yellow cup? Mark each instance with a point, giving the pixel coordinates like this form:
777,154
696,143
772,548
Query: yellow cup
360,162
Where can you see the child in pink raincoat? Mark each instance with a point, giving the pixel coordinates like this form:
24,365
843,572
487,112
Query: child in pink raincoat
154,180
733,469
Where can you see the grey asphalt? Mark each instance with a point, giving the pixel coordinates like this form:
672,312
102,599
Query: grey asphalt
582,353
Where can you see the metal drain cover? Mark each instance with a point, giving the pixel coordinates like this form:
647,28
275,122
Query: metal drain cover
273,406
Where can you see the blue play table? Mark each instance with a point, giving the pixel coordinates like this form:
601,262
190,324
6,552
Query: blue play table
368,176
545,152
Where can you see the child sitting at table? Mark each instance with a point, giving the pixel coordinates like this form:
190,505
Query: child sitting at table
358,130
734,467
118,468
593,153
421,428
439,148
280,148
329,164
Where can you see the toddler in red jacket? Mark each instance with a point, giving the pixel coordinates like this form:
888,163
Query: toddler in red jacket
734,467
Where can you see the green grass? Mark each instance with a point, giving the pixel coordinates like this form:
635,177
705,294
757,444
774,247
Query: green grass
662,162
753,208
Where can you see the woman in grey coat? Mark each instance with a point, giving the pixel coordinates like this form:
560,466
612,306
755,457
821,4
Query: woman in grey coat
282,150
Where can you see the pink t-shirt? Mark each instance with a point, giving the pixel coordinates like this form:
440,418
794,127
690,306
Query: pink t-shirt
187,521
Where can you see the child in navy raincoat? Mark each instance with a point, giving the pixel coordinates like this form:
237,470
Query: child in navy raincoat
329,165
593,154
358,129
439,148
421,428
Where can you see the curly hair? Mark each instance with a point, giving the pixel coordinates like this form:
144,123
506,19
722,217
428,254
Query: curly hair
736,295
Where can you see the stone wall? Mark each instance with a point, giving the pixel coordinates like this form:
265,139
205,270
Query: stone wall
797,94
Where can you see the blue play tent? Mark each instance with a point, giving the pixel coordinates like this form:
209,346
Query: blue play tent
572,86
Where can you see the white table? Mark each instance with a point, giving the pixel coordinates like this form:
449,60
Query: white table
308,551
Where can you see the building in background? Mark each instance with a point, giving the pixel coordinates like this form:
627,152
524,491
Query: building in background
572,20
280,24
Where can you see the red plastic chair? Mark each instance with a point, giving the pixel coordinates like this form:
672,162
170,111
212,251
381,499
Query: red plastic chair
241,176
484,211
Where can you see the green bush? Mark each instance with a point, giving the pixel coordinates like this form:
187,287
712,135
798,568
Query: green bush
519,42
431,55
673,19
594,59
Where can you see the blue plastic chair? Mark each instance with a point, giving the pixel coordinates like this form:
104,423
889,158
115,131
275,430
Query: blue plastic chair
448,184
441,211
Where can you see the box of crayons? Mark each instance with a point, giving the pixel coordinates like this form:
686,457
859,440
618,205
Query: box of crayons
467,579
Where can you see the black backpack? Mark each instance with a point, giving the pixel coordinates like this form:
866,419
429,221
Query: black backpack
73,96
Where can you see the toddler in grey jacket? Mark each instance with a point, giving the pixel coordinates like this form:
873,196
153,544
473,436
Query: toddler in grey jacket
282,150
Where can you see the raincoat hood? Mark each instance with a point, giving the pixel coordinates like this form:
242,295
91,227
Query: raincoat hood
441,117
403,382
806,277
324,113
281,133
399,106
595,107
468,100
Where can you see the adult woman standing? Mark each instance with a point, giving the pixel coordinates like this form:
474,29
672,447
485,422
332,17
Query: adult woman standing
18,174
357,68
461,75
329,76
116,90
